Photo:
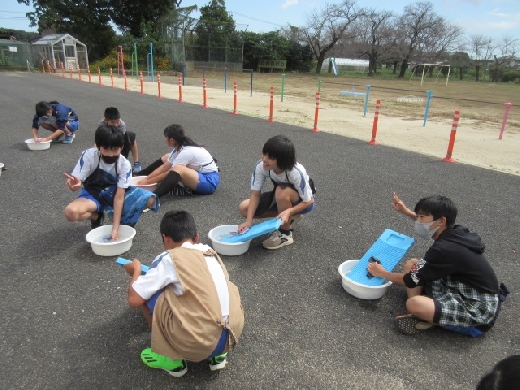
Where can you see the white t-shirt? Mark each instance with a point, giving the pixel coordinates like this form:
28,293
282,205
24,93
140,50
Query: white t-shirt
297,177
90,159
194,157
162,273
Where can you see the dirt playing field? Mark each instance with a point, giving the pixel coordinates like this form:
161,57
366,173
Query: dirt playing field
401,122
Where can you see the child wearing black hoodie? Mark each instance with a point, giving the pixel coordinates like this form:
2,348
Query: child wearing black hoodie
453,285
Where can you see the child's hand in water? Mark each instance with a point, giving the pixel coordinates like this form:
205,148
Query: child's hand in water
243,227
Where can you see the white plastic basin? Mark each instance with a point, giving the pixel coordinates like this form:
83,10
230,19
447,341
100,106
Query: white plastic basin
99,239
37,145
149,187
360,291
227,248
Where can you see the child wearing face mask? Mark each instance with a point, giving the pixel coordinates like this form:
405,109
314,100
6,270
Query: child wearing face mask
103,175
453,285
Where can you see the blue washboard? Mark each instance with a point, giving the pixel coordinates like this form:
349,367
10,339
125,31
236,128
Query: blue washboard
122,262
254,231
389,248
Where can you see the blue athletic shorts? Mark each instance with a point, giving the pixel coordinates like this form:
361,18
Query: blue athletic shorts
86,195
73,125
208,183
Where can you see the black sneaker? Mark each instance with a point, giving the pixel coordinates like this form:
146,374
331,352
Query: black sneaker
94,224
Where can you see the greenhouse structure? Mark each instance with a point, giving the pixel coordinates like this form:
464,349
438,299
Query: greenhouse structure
61,50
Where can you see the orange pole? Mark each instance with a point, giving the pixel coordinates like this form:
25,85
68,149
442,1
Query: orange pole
49,69
315,128
43,67
142,82
374,125
99,75
112,79
55,69
126,82
89,75
271,105
70,71
452,138
204,96
62,70
180,88
79,74
235,97
159,85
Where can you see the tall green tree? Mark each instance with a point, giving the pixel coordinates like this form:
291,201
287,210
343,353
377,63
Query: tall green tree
86,20
214,30
129,15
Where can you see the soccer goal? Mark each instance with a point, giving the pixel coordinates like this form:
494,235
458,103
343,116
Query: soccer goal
429,70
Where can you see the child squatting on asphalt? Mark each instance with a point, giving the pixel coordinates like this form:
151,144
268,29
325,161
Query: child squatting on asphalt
103,176
186,296
453,285
291,197
58,118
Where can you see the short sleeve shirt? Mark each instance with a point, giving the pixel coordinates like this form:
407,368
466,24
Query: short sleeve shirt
194,157
297,177
90,159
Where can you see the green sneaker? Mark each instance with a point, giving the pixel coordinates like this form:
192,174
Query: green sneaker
218,362
176,368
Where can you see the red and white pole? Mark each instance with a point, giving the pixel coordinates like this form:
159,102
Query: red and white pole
89,75
79,74
142,82
112,79
235,97
159,85
315,128
49,69
43,67
374,124
70,71
448,157
504,120
179,77
62,70
271,105
204,94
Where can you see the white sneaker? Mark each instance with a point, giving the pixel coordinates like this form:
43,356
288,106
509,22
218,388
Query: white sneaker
277,240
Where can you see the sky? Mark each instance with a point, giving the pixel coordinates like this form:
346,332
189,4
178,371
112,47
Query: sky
492,18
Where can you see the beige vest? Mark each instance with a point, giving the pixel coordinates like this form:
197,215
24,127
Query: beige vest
189,326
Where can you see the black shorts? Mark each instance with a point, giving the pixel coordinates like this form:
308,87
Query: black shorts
129,142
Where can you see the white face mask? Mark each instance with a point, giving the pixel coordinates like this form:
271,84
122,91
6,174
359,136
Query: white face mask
423,229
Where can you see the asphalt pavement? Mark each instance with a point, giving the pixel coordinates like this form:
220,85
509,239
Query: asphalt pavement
65,322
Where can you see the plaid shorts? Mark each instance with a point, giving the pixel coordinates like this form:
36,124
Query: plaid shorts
461,305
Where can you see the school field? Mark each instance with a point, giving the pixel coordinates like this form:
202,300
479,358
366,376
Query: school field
65,323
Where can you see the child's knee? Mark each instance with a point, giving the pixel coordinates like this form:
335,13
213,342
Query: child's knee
408,265
242,207
71,213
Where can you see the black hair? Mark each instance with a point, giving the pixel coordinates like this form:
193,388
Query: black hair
42,108
178,225
504,376
438,206
108,137
176,132
281,149
112,113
